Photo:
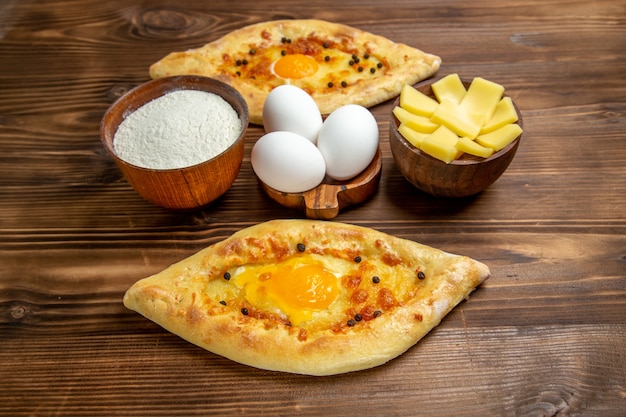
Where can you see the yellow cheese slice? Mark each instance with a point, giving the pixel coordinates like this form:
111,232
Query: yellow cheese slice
441,144
504,114
457,119
417,102
449,88
414,137
466,145
482,97
420,123
500,138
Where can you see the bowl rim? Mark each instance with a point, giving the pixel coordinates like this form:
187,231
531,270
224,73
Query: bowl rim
458,162
163,86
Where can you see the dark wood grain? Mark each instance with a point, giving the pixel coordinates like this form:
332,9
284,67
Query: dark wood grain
544,336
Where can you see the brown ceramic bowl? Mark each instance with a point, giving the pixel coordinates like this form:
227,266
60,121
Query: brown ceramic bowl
464,177
180,188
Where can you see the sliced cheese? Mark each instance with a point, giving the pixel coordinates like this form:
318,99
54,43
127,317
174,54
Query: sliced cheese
478,120
466,145
449,88
457,119
417,102
441,144
504,114
482,97
500,138
414,137
420,123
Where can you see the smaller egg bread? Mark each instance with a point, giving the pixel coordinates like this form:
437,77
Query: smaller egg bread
336,64
307,296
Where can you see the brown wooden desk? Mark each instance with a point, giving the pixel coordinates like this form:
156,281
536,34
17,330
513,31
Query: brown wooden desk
544,336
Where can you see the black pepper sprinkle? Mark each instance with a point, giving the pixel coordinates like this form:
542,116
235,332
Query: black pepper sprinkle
351,322
238,62
238,73
223,302
372,70
351,62
344,84
421,275
244,62
252,51
360,69
301,247
227,276
358,317
354,57
357,259
375,280
377,313
326,45
244,311
366,56
379,65
330,85
326,58
283,52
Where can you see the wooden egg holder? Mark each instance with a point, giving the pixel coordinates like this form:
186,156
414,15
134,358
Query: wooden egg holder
326,200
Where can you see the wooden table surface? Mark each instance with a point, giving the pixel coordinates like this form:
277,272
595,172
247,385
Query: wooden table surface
544,336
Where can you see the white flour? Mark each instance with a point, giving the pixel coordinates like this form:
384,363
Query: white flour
180,129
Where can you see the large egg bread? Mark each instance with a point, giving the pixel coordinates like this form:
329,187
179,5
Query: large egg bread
307,296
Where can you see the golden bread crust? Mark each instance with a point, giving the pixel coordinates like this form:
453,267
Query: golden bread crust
400,63
179,298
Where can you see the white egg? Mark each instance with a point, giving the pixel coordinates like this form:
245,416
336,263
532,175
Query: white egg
287,162
291,109
348,140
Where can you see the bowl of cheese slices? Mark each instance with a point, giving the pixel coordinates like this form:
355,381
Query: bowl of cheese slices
454,137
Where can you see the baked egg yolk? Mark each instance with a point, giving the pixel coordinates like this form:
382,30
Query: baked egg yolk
296,288
295,66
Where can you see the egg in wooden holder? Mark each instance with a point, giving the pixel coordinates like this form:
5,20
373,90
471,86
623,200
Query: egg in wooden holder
335,158
326,200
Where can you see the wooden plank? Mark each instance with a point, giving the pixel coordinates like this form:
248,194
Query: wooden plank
500,371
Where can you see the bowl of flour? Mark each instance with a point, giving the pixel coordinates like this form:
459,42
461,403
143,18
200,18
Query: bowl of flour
179,141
